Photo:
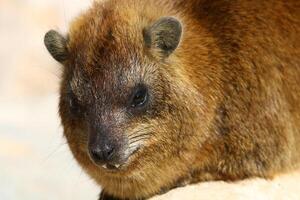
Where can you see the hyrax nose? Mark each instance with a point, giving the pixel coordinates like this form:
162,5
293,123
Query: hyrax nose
102,153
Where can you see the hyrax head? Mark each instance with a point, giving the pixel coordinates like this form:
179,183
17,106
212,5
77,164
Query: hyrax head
115,94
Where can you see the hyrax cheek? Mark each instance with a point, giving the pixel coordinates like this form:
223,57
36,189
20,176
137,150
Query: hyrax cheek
136,139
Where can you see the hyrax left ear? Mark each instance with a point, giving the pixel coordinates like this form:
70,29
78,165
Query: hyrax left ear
164,35
56,45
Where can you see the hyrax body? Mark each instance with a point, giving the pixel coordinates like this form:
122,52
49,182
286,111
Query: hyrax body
161,93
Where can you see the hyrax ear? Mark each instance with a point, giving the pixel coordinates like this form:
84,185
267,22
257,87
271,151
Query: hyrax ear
164,35
56,45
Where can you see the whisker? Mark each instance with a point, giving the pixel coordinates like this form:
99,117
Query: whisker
137,136
140,139
138,131
57,148
133,148
130,114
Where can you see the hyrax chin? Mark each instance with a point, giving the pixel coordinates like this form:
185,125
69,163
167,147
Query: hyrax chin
161,93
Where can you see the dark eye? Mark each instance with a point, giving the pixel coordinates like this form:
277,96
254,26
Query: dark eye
75,107
73,103
140,97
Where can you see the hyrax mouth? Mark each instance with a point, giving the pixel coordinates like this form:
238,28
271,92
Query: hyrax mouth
117,165
111,166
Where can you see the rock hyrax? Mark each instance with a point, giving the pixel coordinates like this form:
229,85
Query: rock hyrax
160,93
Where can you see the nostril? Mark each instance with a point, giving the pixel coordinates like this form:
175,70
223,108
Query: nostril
96,155
102,154
108,151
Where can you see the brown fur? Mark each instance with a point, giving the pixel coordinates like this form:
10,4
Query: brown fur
228,98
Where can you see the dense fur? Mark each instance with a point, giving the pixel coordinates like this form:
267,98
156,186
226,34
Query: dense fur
225,104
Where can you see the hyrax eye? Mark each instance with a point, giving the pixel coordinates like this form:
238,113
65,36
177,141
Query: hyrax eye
75,107
140,97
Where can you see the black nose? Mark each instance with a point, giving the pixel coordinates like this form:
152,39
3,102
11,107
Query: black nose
102,154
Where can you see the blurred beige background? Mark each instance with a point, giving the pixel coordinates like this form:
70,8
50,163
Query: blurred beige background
35,162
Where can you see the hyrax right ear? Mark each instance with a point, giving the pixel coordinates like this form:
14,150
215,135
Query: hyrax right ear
164,35
56,44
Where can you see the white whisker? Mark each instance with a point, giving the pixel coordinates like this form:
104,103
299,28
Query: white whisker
139,139
137,136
